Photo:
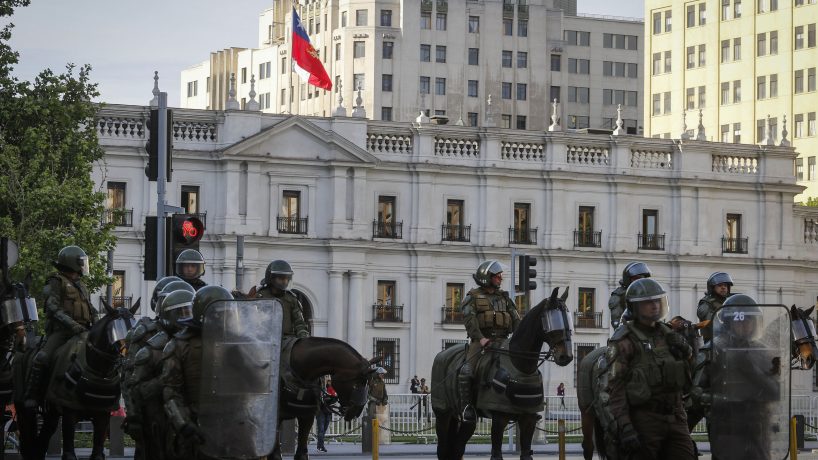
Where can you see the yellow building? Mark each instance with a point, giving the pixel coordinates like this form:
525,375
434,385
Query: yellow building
738,61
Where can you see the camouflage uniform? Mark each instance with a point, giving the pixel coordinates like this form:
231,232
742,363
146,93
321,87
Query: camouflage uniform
492,316
293,324
706,309
617,305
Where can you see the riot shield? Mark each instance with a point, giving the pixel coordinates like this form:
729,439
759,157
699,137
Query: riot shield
750,382
238,408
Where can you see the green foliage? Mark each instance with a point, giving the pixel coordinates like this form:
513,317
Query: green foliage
47,151
813,202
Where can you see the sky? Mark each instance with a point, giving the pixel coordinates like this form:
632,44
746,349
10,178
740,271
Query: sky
125,42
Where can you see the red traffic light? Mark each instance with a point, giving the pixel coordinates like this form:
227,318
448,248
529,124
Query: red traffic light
187,229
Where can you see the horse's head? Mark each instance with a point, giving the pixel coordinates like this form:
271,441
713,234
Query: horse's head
804,349
108,334
556,329
352,389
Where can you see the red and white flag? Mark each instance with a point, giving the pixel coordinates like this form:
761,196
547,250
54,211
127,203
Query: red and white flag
305,58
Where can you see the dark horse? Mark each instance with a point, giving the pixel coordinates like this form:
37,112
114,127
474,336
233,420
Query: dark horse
309,359
518,396
804,350
84,383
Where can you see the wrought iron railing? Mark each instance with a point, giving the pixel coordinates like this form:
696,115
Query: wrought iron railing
296,225
382,229
387,313
518,235
651,241
118,301
588,319
587,239
734,245
452,315
120,217
456,232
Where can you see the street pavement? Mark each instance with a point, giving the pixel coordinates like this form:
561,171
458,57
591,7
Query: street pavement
349,451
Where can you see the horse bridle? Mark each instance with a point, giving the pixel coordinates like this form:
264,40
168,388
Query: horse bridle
803,331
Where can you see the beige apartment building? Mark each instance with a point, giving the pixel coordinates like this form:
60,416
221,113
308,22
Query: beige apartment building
445,57
738,62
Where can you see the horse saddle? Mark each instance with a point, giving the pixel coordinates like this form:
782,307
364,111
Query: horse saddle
296,393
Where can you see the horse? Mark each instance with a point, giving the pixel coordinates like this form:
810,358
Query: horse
518,396
309,359
84,383
804,350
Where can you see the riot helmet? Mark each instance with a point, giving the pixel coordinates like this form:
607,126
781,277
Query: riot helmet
278,274
486,271
158,288
176,308
190,265
173,286
643,290
741,317
634,269
73,259
203,298
719,278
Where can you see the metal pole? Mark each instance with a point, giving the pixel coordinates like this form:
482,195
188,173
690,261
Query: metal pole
793,439
375,438
109,291
161,156
561,431
512,289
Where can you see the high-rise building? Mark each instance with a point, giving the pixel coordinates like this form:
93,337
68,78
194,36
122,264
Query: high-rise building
445,57
745,64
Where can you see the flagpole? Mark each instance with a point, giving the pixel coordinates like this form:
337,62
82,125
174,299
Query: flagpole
291,90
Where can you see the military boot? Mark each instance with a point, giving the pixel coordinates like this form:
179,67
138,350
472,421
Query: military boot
464,380
36,377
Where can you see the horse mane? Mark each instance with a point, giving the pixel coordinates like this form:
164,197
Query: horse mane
342,344
527,327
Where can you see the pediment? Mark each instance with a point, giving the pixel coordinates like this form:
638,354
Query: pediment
298,139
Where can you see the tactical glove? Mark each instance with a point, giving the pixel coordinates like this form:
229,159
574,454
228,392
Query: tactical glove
192,432
678,346
78,329
630,440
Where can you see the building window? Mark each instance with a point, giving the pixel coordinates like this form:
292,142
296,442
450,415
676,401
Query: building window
440,53
389,352
811,168
725,133
338,52
691,98
522,92
522,28
799,37
358,81
244,70
725,10
190,199
472,118
691,57
691,16
505,90
440,86
440,21
668,61
388,49
386,82
799,81
425,85
425,53
725,93
508,27
725,51
667,102
116,195
811,79
474,56
736,91
506,58
472,88
811,124
702,55
361,17
358,49
702,97
799,125
761,87
290,204
454,297
474,24
555,93
657,63
386,293
453,229
657,104
579,95
736,49
657,23
426,21
761,44
773,42
583,66
192,87
522,60
556,62
386,113
774,85
733,226
521,230
737,133
505,121
811,35
799,169
702,14
586,308
668,21
118,291
736,8
583,349
585,235
650,229
521,122
343,19
386,18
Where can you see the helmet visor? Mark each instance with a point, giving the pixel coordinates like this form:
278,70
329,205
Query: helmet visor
637,269
802,330
190,269
721,278
82,263
118,330
652,308
181,312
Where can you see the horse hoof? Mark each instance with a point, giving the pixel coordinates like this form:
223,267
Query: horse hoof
69,456
301,456
97,456
527,456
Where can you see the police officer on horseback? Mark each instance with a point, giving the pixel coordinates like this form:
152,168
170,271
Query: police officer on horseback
68,313
277,280
648,371
490,316
190,266
617,304
719,285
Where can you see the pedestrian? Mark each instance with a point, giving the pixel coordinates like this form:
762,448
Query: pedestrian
324,416
561,394
414,385
424,390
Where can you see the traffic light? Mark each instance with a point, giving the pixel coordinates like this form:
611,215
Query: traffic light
187,230
152,146
528,274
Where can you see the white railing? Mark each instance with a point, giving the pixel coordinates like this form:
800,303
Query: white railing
522,151
412,420
734,164
121,127
587,155
463,148
389,143
810,231
193,131
651,159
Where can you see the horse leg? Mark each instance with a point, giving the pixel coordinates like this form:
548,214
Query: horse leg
588,421
444,434
69,423
40,440
498,429
463,432
526,425
304,427
100,422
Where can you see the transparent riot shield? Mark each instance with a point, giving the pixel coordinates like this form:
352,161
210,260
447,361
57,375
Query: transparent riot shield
750,382
238,401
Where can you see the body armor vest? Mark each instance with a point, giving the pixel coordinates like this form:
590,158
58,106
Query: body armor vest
492,313
654,371
75,300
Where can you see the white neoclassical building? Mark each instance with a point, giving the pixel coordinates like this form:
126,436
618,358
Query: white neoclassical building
384,222
441,56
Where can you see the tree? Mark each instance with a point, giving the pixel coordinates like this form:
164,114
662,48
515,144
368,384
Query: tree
812,202
48,146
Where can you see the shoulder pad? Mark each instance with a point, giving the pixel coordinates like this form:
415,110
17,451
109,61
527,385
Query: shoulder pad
139,333
152,326
503,293
169,349
159,340
665,328
620,333
466,300
142,357
185,334
290,295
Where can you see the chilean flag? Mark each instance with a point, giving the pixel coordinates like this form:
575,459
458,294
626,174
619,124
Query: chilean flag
305,58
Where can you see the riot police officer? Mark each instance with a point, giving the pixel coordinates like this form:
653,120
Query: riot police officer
190,266
745,383
648,371
181,376
632,272
719,285
490,316
277,280
68,312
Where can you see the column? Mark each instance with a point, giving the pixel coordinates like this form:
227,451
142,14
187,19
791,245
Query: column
355,325
335,305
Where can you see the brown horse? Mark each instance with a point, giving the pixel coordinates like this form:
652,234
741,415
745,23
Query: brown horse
311,358
545,323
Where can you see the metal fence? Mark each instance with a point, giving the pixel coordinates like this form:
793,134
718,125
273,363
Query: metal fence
411,419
